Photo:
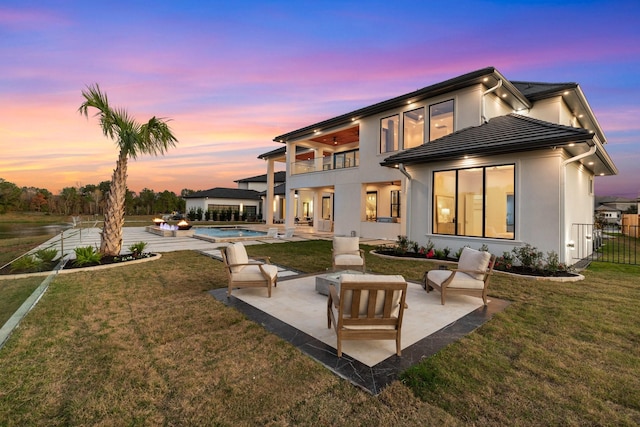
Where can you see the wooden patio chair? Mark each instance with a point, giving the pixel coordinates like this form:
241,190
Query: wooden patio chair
471,277
243,273
346,254
367,307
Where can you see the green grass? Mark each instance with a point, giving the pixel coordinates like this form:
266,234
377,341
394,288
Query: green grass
13,293
147,345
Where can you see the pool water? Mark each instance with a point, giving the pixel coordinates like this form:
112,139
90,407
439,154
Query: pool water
228,232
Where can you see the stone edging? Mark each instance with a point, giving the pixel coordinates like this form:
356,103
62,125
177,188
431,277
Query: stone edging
575,278
74,270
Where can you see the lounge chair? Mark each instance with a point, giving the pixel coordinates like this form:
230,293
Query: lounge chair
272,232
243,273
367,307
471,277
347,254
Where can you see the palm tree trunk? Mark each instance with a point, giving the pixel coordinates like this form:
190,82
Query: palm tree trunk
111,236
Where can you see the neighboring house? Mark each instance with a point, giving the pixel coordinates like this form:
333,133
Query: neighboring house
474,160
608,214
621,204
247,199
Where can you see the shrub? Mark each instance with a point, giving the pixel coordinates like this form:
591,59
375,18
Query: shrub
528,256
402,245
26,264
87,255
553,262
47,255
137,248
446,251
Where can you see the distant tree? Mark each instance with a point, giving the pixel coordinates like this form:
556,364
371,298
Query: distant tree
147,200
9,196
633,209
154,137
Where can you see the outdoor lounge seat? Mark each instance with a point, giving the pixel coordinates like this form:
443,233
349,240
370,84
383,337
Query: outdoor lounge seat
347,254
367,307
471,277
243,273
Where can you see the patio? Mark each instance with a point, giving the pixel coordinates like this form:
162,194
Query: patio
297,313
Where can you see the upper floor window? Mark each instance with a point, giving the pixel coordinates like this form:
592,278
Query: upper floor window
389,133
440,119
413,125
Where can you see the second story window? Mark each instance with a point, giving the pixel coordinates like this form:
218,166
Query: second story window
413,128
440,119
389,133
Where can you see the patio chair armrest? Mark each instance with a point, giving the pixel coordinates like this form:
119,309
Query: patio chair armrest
333,296
266,259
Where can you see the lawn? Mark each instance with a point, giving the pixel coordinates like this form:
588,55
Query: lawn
147,345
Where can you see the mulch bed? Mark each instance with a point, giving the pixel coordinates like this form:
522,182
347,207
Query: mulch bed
105,260
514,269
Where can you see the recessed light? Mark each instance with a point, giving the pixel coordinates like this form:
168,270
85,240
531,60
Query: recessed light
581,116
504,95
601,173
486,79
566,92
572,145
590,163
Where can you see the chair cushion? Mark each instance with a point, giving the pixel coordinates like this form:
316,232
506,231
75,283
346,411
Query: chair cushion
347,259
252,273
461,280
346,245
237,254
473,260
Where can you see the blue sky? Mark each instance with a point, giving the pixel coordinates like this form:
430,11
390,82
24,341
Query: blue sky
233,75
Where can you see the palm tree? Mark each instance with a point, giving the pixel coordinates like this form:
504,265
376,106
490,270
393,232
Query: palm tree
133,139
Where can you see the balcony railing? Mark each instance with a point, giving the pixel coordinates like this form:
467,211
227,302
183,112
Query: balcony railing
348,159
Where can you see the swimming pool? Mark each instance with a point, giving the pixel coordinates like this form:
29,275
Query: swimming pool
220,234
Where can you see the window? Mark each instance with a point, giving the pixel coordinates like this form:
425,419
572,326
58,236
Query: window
477,202
395,203
371,206
413,128
326,207
440,119
346,159
389,134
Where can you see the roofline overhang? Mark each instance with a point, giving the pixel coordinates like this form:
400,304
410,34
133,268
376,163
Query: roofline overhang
456,83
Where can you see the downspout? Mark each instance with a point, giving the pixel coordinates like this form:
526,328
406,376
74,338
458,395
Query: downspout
563,243
487,92
408,197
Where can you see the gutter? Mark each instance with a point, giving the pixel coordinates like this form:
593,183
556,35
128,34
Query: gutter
487,92
408,195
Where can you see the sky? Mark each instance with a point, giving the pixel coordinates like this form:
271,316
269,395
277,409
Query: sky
231,76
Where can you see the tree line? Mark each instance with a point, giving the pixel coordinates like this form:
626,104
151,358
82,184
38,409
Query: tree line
87,200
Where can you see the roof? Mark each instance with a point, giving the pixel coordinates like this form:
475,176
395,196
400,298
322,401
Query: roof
278,190
225,193
277,177
501,135
538,90
515,97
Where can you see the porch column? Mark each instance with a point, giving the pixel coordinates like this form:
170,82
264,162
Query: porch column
289,221
317,153
267,210
317,209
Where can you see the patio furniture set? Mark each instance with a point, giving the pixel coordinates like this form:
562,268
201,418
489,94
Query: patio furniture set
360,305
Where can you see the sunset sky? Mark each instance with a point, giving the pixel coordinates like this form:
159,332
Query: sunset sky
233,75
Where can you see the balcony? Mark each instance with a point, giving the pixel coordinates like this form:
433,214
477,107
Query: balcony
342,160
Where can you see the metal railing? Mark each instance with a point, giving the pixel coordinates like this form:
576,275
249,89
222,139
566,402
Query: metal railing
609,243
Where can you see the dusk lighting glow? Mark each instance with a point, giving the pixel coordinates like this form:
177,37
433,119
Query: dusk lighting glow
231,76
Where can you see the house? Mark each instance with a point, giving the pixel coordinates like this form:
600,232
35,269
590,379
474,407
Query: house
608,214
246,200
474,160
